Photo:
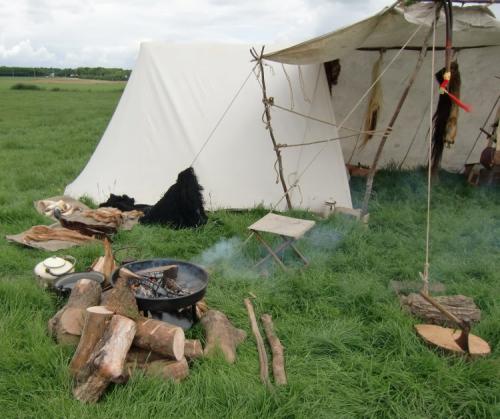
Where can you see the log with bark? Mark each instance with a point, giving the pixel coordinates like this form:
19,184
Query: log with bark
160,337
106,363
193,349
96,322
459,305
263,362
162,368
67,324
122,300
277,350
221,335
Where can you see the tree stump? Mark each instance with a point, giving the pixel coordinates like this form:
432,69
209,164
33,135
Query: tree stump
106,363
67,324
96,321
160,337
221,334
459,305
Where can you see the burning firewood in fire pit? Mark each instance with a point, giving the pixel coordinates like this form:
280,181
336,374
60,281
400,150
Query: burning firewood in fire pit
155,282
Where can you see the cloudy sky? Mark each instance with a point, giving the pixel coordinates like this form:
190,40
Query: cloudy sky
70,33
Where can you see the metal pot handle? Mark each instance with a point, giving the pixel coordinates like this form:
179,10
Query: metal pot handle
67,258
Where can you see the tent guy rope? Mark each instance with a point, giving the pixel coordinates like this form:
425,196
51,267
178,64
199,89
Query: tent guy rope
425,275
222,117
341,125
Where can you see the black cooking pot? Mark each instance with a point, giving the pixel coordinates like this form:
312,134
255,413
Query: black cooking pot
189,276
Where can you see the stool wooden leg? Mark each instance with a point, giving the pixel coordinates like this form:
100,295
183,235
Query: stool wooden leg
271,251
300,255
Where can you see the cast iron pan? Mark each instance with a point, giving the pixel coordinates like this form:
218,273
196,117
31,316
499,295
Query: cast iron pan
189,276
65,283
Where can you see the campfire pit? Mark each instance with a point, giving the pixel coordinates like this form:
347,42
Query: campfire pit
185,290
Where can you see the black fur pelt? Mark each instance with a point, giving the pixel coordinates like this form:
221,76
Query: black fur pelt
442,115
124,203
182,204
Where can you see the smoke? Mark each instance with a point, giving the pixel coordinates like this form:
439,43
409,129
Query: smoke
323,238
233,258
222,251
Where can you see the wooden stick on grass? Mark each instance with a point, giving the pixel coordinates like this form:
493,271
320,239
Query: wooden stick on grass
264,366
277,349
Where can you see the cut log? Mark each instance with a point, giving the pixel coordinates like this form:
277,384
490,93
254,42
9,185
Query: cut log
263,363
96,321
221,334
160,337
108,262
446,339
122,300
105,297
277,350
201,308
165,369
142,356
172,370
106,363
459,305
168,270
193,349
67,324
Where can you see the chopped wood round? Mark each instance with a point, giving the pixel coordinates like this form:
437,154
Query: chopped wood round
445,338
160,337
96,321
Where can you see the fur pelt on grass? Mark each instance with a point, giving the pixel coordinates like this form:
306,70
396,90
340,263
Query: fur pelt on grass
124,203
182,204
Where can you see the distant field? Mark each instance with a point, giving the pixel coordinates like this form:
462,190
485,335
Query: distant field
351,352
63,83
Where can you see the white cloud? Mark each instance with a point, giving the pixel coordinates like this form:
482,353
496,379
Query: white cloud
108,32
24,54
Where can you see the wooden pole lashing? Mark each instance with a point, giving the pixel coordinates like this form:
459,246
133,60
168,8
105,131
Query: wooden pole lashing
267,114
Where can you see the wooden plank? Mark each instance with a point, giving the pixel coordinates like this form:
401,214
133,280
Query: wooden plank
283,226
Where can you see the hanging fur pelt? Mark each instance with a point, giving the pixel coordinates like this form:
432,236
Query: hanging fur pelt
373,110
182,204
446,117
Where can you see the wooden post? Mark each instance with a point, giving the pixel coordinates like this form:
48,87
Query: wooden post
373,168
267,114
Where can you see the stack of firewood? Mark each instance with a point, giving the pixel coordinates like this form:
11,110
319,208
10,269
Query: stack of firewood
114,339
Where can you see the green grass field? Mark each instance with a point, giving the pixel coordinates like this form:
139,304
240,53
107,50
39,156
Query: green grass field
350,350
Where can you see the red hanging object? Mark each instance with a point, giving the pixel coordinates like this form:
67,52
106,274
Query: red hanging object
464,106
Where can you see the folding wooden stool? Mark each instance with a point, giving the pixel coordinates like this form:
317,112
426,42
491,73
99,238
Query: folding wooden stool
288,228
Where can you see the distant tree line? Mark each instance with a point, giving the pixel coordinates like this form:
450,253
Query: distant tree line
96,73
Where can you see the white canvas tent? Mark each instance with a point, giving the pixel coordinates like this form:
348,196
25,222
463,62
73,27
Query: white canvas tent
173,101
477,38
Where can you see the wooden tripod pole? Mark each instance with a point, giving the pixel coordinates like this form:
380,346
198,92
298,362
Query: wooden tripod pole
267,114
373,168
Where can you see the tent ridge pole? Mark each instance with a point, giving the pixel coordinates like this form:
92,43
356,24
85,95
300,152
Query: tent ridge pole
402,99
267,114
